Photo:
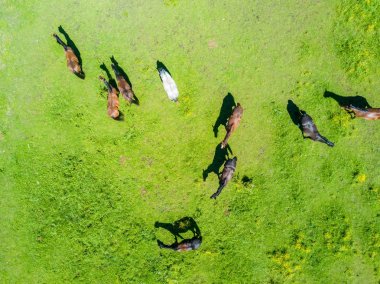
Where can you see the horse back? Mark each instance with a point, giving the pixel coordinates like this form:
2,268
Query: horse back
113,104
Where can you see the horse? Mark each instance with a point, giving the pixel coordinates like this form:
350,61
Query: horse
112,99
168,82
185,245
226,176
220,157
366,113
124,87
233,123
309,130
71,58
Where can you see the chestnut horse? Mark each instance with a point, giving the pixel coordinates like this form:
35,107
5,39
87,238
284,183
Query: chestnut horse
233,123
112,98
124,87
366,113
71,58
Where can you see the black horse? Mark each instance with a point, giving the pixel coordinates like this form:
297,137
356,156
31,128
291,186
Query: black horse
309,130
306,124
226,176
220,156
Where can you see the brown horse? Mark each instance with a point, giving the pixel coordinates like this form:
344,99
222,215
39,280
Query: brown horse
113,100
124,87
71,58
366,113
226,176
309,129
233,123
185,245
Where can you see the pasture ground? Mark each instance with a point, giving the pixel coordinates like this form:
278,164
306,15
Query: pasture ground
80,193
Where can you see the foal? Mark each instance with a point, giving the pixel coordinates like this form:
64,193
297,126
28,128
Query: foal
309,129
233,123
366,113
226,176
71,58
112,99
124,87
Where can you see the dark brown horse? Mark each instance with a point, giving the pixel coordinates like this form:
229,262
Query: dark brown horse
185,245
226,176
112,99
309,129
124,87
233,123
366,113
71,58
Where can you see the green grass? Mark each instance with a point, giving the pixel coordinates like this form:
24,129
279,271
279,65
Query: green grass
81,192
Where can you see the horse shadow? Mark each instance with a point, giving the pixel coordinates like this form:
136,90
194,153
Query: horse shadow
225,112
161,65
357,101
220,157
180,226
125,76
109,76
295,113
71,44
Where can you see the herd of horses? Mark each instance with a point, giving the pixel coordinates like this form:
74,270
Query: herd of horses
302,119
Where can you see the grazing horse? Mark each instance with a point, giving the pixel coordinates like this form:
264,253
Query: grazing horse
309,129
220,157
226,176
185,245
113,100
233,123
168,82
71,58
366,113
124,87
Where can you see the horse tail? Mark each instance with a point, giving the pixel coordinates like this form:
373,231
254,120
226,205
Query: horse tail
215,195
60,41
324,140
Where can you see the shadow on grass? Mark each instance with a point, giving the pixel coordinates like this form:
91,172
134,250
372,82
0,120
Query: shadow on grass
161,65
182,225
225,112
295,113
357,101
109,76
220,156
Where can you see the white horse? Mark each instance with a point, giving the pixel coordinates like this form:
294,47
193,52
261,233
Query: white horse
169,84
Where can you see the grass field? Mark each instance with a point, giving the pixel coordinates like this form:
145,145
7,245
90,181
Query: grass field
80,192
